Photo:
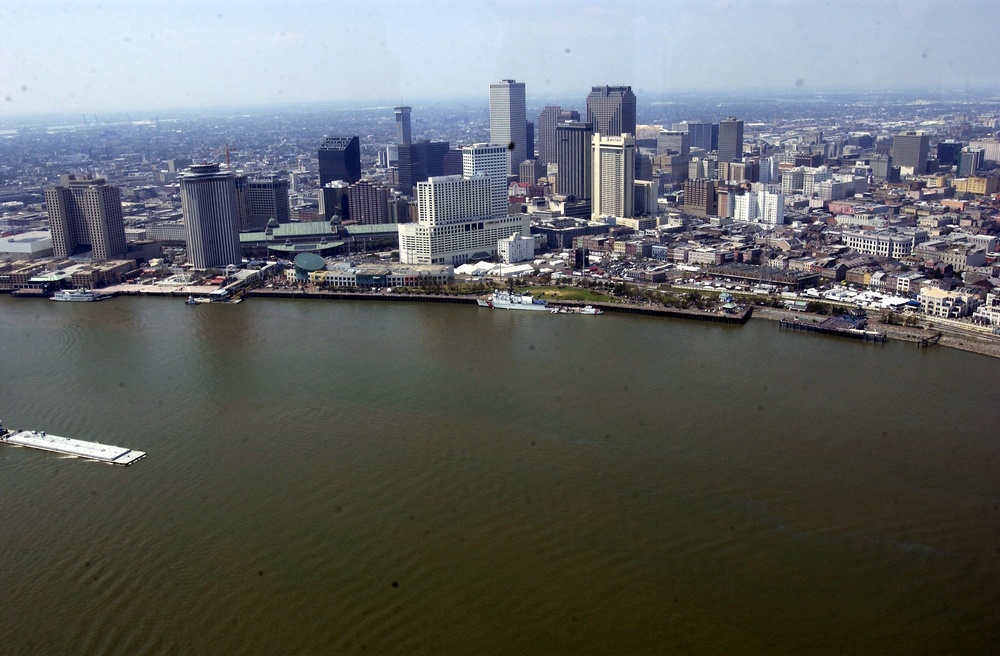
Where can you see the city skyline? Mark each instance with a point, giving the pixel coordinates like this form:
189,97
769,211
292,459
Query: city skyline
186,55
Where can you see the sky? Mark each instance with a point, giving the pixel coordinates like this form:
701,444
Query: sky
103,55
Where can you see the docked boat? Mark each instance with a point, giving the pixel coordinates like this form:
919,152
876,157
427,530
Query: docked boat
78,295
590,309
506,300
191,300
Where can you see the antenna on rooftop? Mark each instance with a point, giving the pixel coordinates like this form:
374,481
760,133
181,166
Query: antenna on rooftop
229,166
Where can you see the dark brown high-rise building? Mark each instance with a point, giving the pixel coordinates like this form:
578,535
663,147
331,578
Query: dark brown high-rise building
611,110
368,202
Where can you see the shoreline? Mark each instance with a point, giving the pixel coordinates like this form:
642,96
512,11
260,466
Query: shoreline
970,342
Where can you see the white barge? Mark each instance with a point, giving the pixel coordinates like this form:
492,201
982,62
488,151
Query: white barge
114,455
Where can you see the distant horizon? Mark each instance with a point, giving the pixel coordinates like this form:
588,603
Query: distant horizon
644,98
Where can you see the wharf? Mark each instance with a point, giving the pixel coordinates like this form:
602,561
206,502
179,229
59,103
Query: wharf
837,327
114,455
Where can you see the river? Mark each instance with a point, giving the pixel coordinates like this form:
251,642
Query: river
394,478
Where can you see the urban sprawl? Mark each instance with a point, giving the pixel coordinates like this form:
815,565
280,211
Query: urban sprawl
872,207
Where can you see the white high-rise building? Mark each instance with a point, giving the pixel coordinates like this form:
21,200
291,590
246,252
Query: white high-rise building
762,204
508,122
457,221
613,169
489,160
211,216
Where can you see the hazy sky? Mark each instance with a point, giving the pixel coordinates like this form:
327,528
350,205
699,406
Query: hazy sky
92,56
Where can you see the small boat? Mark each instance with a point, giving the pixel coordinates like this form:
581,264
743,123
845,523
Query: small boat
590,309
191,300
78,295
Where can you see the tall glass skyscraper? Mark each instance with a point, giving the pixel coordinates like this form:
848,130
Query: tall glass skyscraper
508,124
340,159
611,110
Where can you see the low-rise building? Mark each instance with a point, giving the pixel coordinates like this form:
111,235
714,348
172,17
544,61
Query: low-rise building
951,305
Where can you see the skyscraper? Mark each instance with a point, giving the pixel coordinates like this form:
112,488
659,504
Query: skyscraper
573,144
508,125
402,125
731,140
910,150
489,160
614,176
457,221
368,202
418,161
340,159
970,160
611,110
545,130
267,198
85,214
211,216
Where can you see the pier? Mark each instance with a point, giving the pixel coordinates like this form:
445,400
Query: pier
114,455
837,326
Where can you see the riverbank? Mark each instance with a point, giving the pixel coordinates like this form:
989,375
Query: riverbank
963,341
947,336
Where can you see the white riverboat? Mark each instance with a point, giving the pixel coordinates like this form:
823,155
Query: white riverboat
78,295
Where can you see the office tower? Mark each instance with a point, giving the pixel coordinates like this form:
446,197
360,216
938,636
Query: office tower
267,198
211,216
340,159
333,201
672,142
731,140
970,160
910,150
948,152
529,139
508,125
242,183
644,198
614,176
547,122
402,125
699,197
457,221
489,160
545,131
573,144
452,163
530,171
611,110
419,161
85,214
700,134
178,164
881,166
368,202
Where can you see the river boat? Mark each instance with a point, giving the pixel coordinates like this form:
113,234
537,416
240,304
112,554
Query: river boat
505,300
191,300
590,309
78,295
